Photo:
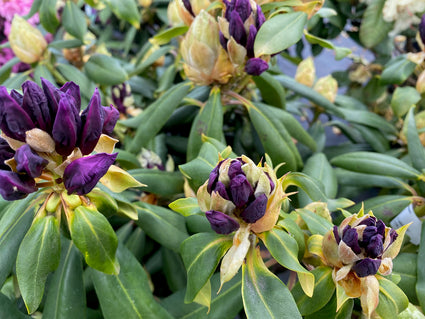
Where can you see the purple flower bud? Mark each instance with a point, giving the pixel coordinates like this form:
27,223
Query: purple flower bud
368,233
221,190
35,104
212,180
350,237
14,121
230,6
256,66
17,96
243,8
260,17
370,221
221,223
82,175
92,124
188,7
73,90
250,42
27,161
255,210
6,152
119,93
380,228
110,118
336,234
52,96
393,235
223,40
237,29
66,126
366,267
240,189
271,183
235,168
422,28
15,186
375,248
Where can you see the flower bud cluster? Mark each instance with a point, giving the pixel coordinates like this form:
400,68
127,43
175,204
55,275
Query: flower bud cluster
46,140
238,192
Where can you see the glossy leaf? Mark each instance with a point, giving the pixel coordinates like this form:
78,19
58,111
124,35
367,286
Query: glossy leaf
95,238
271,90
165,36
315,223
292,228
159,182
66,297
368,119
397,70
163,225
125,10
284,248
405,265
340,52
392,300
174,270
264,295
403,98
420,284
47,14
74,20
279,33
9,310
374,28
104,69
414,145
128,294
349,178
38,255
186,206
201,254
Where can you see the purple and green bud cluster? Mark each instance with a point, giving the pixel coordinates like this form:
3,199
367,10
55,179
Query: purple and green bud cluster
421,28
243,19
238,191
46,139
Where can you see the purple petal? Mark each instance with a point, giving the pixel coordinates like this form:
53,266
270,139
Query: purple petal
35,104
118,99
375,248
82,175
260,17
66,126
380,228
255,210
237,29
15,186
14,121
221,190
422,28
74,90
17,96
336,234
6,152
368,233
243,8
212,180
393,235
92,124
223,40
110,118
188,7
27,161
366,267
250,42
256,66
350,237
235,168
221,223
370,221
241,190
230,6
52,96
272,186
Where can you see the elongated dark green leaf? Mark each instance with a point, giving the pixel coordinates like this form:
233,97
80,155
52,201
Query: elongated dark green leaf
159,182
165,36
104,69
128,294
374,163
225,305
174,270
307,184
350,178
163,225
316,223
271,90
405,266
74,20
264,295
373,137
369,119
125,10
201,254
398,70
14,224
66,44
340,52
95,238
403,98
42,71
9,310
392,300
38,255
66,298
420,284
279,33
324,288
374,28
292,227
209,122
48,16
6,68
150,59
414,145
150,122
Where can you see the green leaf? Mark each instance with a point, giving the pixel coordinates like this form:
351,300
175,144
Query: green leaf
373,137
6,68
324,288
163,225
403,98
284,248
392,300
150,59
420,283
65,44
397,70
105,70
350,178
201,254
128,294
209,122
264,295
66,297
125,10
47,14
40,71
173,269
405,266
159,182
271,90
414,145
38,255
165,36
95,238
9,309
374,163
151,120
74,20
368,119
292,227
316,223
374,28
307,184
14,224
340,52
279,33
186,206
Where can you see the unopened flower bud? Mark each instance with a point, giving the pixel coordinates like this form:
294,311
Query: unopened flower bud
221,223
420,83
328,87
29,162
306,72
421,28
27,42
15,186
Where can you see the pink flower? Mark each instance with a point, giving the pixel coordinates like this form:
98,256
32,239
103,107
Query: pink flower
8,8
